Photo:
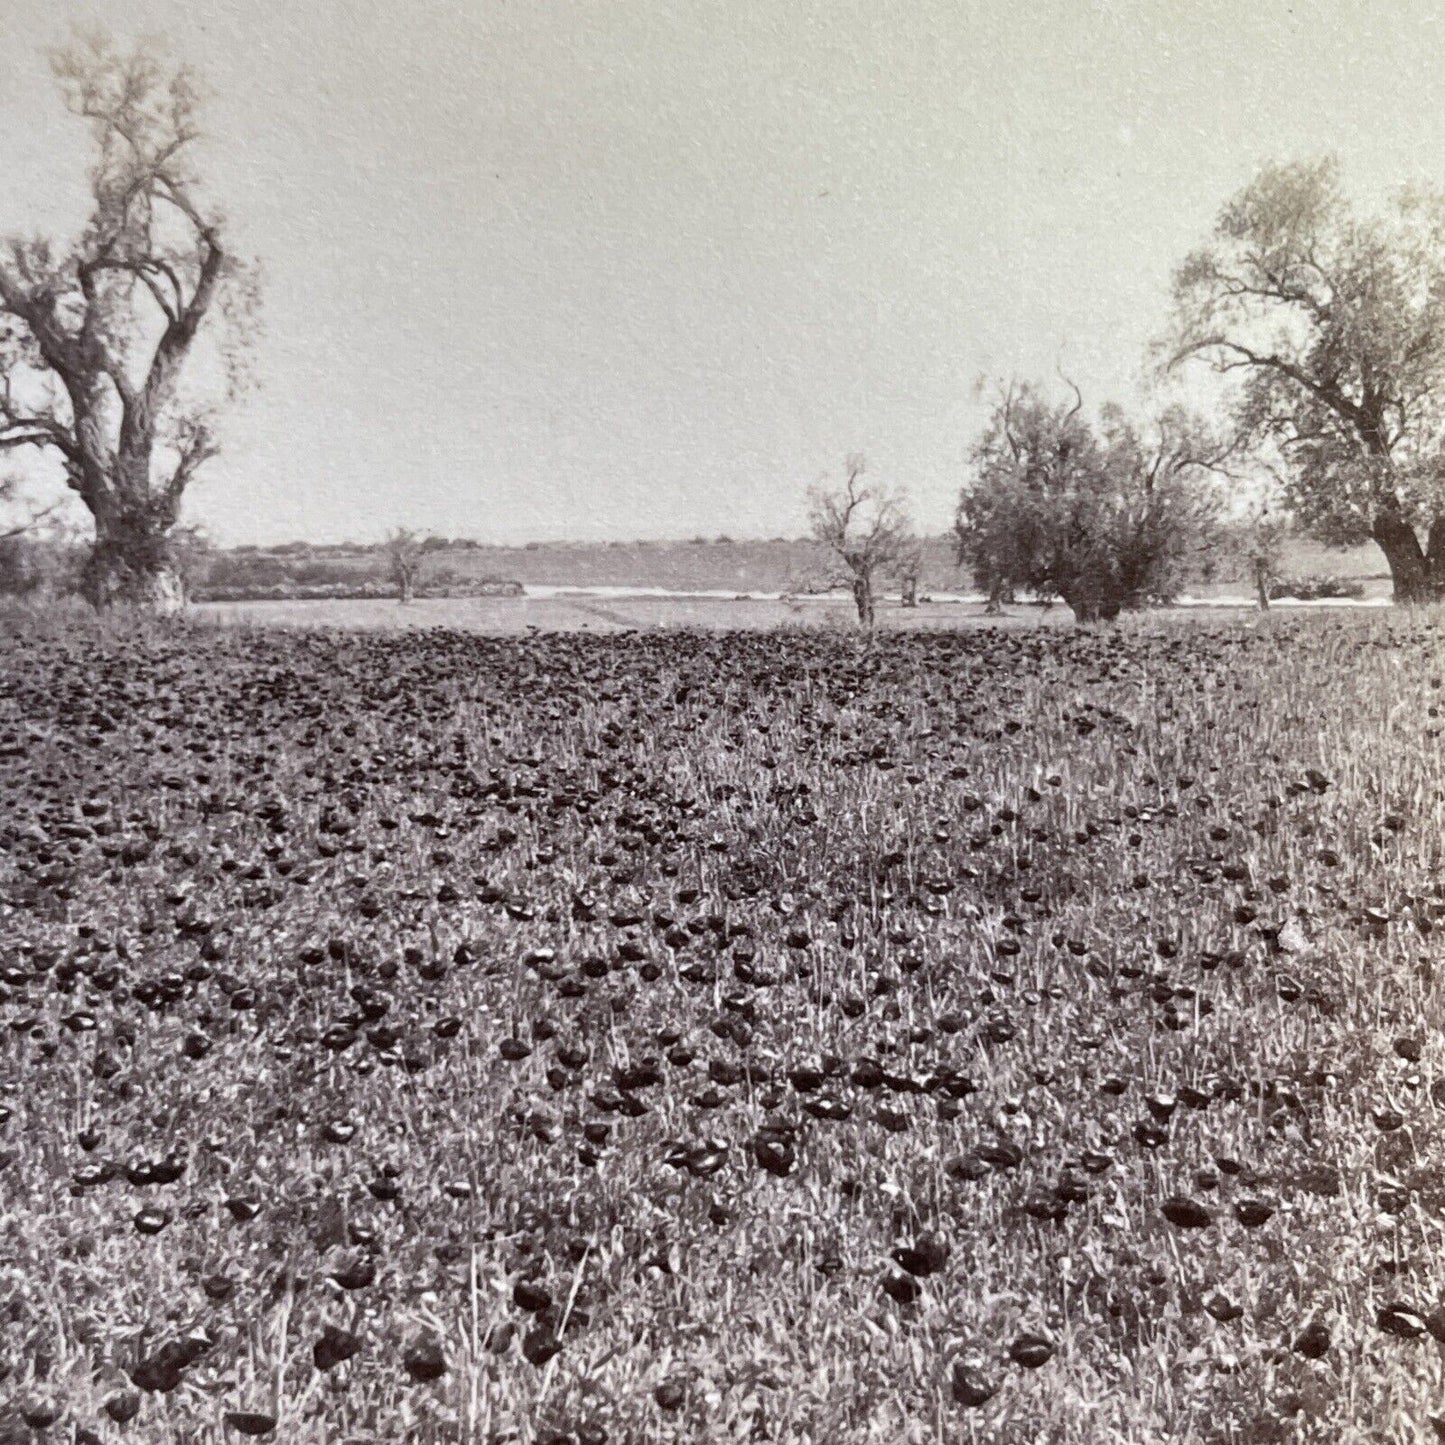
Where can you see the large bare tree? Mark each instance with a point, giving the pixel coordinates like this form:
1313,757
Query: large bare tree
863,528
1333,324
95,334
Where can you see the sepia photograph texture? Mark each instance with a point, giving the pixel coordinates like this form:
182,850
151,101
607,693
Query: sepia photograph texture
721,722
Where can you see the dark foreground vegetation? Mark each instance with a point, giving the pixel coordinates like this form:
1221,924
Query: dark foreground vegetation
1000,1036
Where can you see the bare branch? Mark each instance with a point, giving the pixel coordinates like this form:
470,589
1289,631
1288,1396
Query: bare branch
30,523
1078,396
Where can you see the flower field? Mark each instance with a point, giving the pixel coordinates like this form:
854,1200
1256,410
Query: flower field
1017,1036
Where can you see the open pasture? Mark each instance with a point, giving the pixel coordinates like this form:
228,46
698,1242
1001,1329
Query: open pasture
610,613
985,1035
604,613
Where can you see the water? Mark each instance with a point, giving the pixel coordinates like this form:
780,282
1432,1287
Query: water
604,591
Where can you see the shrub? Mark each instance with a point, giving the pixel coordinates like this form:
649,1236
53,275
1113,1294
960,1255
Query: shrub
17,572
1314,589
1103,517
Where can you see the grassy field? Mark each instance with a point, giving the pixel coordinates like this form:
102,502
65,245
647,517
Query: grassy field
994,1034
604,614
583,613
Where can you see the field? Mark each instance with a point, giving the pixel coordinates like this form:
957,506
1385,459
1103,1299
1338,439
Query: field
585,612
994,1034
605,613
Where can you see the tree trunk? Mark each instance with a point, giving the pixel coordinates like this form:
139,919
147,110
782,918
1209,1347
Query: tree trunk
1261,586
132,565
1435,555
1092,603
910,589
1418,577
863,599
406,589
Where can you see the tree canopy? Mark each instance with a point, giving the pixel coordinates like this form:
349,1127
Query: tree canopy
1332,325
1104,517
96,333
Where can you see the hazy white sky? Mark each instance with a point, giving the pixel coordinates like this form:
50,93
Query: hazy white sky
545,268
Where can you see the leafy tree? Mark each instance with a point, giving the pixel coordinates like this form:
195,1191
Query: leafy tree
909,566
1101,517
18,575
864,529
192,554
404,553
1261,539
95,335
1333,324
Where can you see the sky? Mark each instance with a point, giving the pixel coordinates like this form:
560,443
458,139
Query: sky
546,269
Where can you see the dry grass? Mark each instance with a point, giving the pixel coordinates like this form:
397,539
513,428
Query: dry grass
873,910
601,614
